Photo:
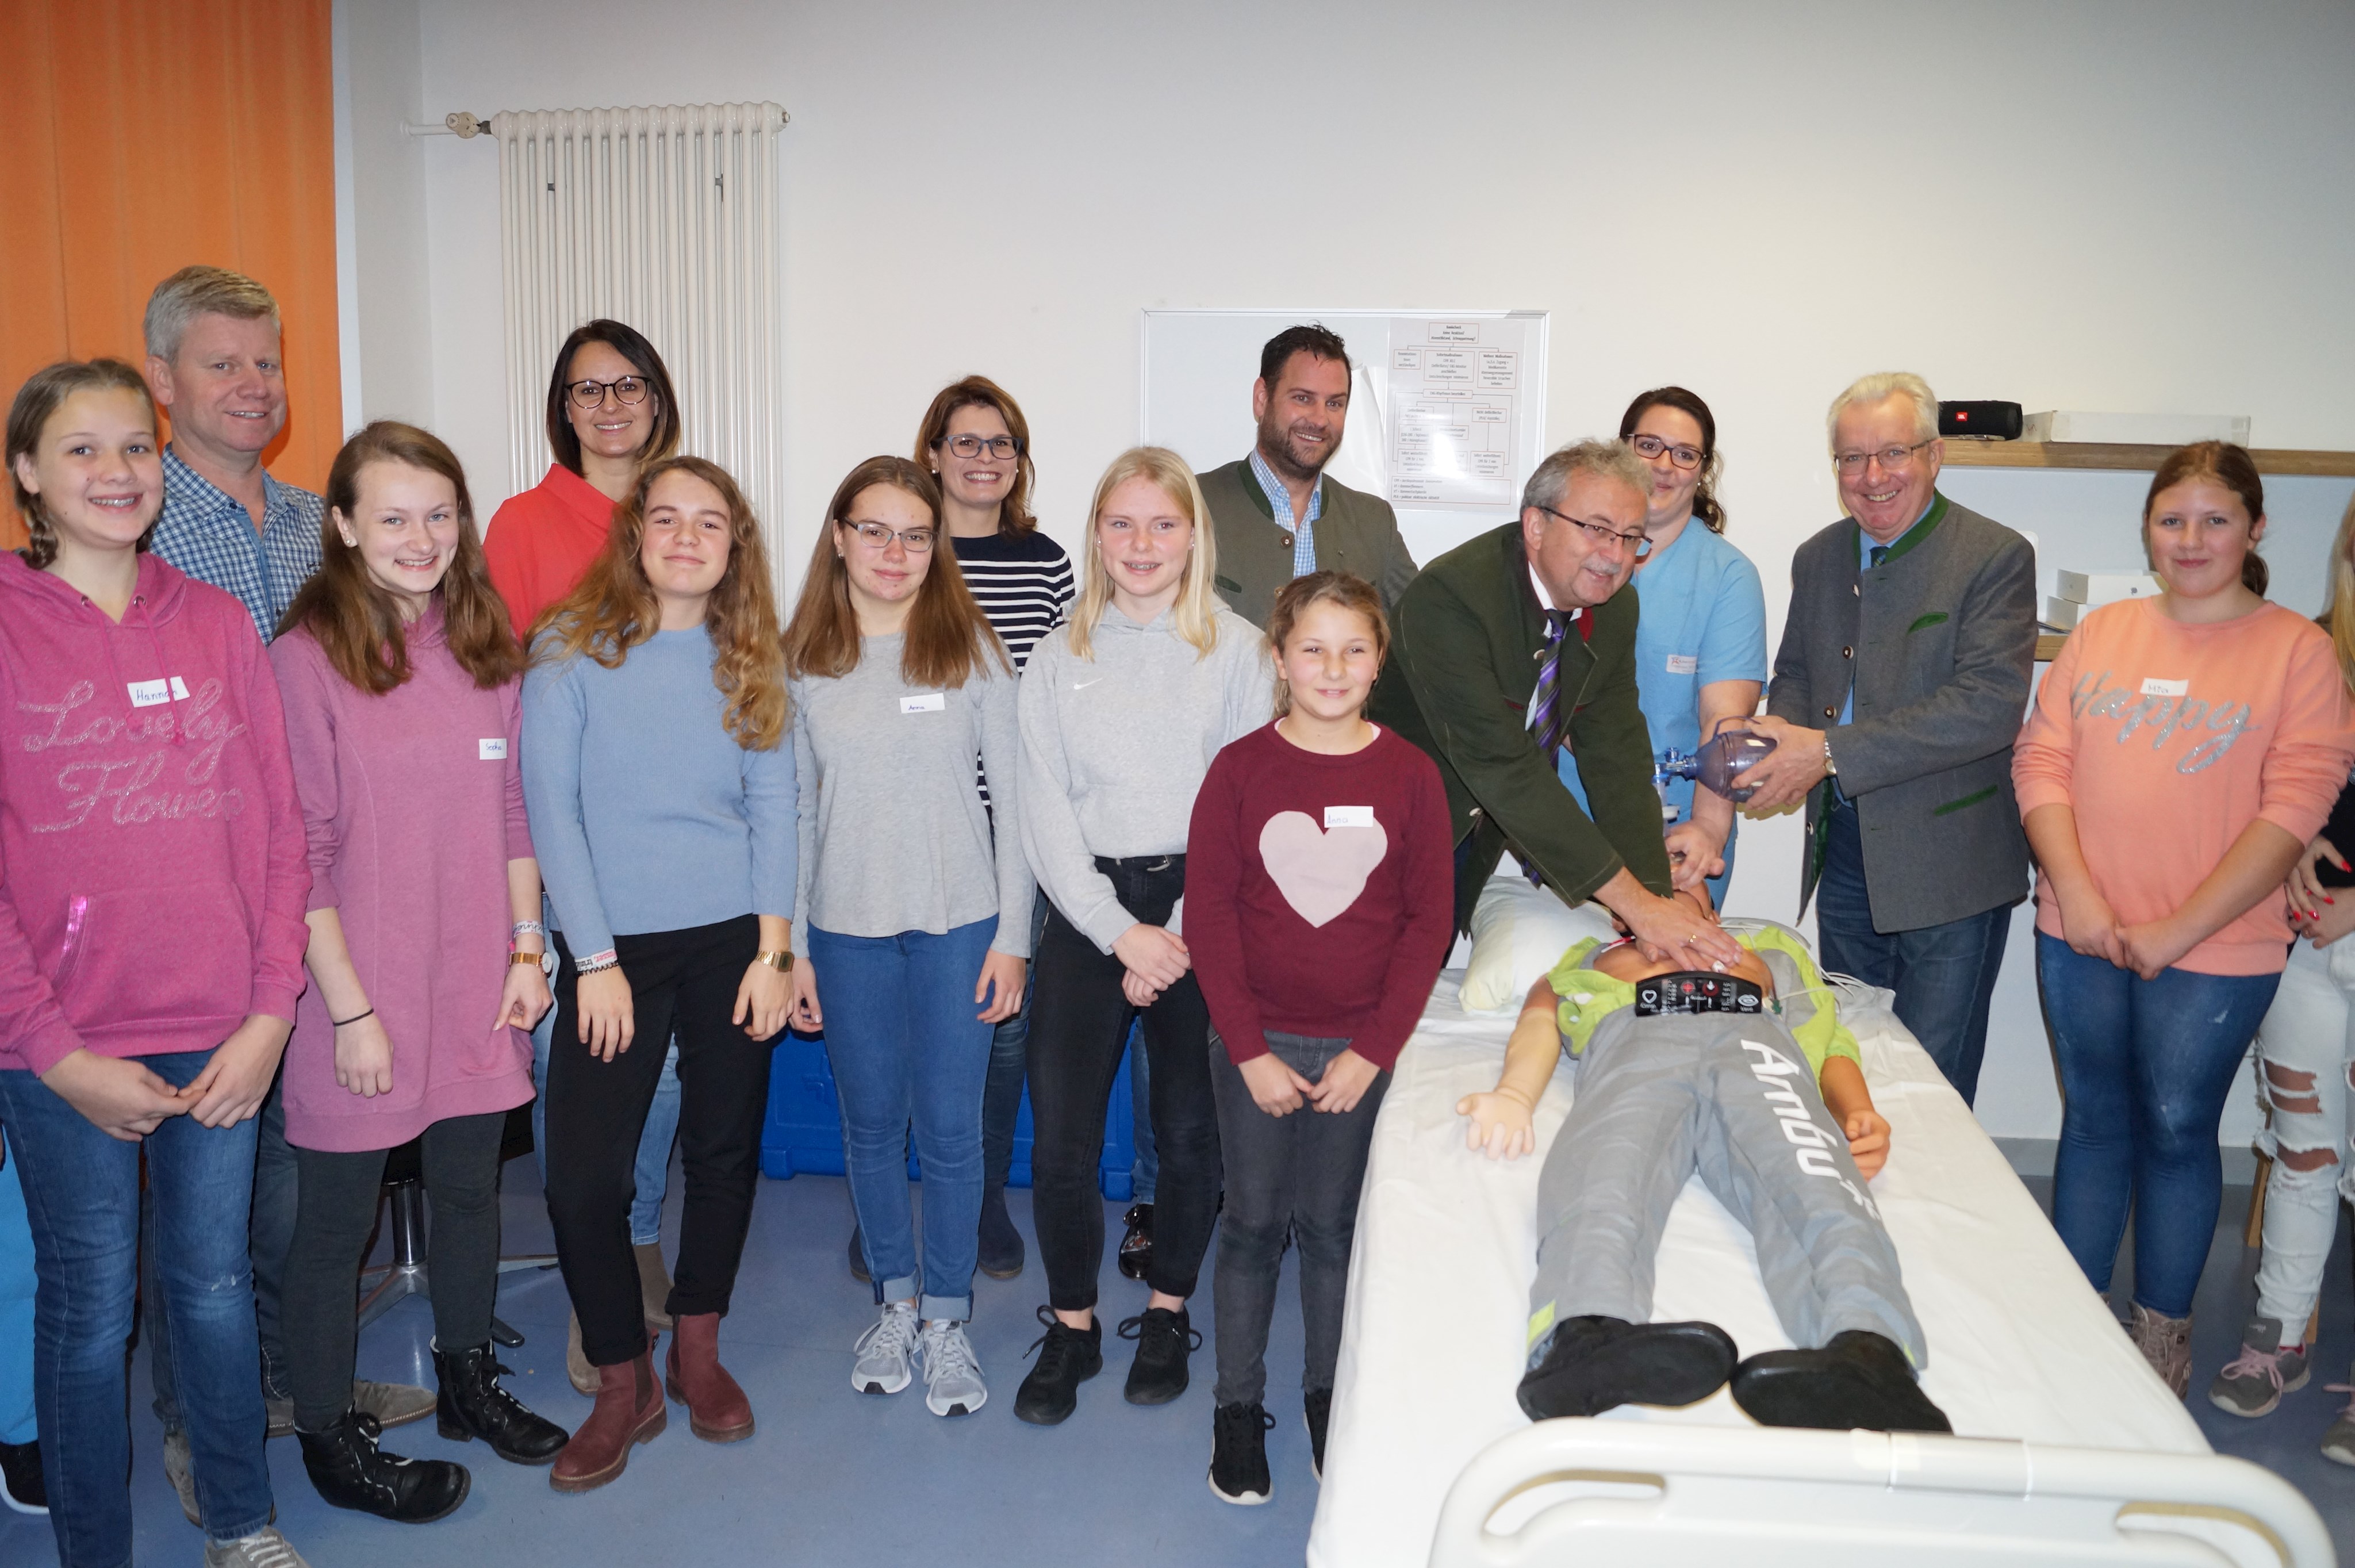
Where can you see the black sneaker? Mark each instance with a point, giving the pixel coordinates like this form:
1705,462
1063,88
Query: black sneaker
1584,1366
1136,1246
1239,1454
858,1256
1001,1243
1068,1357
1317,1412
1163,1339
21,1487
1860,1379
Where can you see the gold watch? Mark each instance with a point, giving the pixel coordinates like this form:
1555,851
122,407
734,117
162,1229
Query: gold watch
780,959
531,958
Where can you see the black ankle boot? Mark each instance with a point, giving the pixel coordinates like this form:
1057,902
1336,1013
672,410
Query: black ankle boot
1000,1243
350,1472
1585,1366
473,1404
1860,1379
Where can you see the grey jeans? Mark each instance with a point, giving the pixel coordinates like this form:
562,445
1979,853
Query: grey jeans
1731,1098
1294,1175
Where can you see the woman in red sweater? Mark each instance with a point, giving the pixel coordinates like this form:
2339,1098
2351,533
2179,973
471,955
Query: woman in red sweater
400,680
2181,750
1320,878
610,412
150,949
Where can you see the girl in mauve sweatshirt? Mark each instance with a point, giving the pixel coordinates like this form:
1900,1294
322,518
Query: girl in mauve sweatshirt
151,882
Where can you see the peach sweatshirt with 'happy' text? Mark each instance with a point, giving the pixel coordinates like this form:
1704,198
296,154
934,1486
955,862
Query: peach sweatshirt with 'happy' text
2167,741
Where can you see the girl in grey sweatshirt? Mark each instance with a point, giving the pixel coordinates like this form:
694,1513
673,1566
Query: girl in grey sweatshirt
1121,712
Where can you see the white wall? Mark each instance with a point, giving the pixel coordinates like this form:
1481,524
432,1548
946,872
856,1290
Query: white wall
2146,204
385,282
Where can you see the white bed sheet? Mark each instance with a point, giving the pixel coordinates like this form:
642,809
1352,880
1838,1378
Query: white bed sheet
2019,1345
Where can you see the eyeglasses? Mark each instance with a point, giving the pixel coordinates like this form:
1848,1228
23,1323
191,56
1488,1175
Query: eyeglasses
1893,459
875,535
998,447
1651,446
1636,544
628,389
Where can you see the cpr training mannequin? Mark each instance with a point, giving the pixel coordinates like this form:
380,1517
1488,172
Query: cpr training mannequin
1743,1077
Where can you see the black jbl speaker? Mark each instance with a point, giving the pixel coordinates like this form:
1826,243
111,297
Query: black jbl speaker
1997,422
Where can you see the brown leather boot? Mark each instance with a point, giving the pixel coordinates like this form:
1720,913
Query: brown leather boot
717,1410
628,1411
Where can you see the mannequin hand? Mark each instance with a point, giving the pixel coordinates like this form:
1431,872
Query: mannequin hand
1500,1124
764,1000
1154,955
237,1080
808,1017
524,1000
1003,972
1346,1078
1275,1088
115,1094
608,1013
1868,1142
364,1057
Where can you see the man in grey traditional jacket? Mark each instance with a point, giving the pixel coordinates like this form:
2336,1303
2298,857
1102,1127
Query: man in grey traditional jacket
1897,693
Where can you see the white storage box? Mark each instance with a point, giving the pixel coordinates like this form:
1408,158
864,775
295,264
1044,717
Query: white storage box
2145,430
2061,613
2090,588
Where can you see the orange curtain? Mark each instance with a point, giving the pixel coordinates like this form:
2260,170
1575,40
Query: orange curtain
138,136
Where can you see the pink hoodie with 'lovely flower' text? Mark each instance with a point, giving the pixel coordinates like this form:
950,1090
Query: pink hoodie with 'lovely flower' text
152,871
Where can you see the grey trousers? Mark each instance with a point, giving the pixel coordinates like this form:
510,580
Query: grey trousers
1730,1098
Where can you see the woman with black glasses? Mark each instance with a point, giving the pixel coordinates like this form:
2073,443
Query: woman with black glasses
1700,645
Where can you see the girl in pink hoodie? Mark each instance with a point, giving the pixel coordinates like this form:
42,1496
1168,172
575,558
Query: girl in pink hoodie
152,884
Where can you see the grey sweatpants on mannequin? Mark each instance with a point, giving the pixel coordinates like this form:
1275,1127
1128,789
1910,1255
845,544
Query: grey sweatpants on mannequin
1731,1098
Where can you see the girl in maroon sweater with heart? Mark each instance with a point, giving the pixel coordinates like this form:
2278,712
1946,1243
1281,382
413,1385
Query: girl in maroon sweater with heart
1320,886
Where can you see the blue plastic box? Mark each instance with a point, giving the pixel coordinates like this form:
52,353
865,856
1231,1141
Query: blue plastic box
803,1131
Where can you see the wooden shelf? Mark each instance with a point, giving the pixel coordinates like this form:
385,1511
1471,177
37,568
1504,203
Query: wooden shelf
2048,646
2116,456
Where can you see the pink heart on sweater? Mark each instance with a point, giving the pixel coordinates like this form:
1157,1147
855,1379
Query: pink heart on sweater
1319,871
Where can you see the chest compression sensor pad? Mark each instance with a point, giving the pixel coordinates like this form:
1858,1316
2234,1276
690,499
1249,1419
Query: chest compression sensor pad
1697,991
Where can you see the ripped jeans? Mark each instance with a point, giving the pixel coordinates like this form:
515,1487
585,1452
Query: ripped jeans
2305,1076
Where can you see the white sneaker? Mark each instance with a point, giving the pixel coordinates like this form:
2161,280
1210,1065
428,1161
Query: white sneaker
265,1548
882,1364
953,1384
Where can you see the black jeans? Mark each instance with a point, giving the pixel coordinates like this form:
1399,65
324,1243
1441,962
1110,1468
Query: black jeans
1296,1174
683,985
332,1221
1079,1025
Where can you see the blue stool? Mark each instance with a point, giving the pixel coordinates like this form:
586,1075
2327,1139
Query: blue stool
803,1131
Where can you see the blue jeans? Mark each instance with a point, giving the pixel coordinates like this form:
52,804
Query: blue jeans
906,1047
1943,975
653,1171
17,1277
2145,1068
81,1197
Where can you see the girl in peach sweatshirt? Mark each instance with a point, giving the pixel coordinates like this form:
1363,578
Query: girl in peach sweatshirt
2181,750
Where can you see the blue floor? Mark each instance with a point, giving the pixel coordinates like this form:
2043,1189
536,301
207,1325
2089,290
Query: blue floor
831,1477
834,1478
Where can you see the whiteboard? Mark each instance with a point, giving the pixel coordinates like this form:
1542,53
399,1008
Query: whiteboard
1446,417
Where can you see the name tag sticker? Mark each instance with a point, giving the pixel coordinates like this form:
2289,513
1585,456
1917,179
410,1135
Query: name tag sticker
1683,663
148,693
2155,686
925,702
492,750
1349,817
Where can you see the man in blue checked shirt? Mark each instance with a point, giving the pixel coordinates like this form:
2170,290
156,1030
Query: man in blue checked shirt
212,363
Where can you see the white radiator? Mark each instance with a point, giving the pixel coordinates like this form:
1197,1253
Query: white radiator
667,220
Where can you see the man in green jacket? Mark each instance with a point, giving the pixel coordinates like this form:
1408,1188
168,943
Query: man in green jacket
1276,513
1518,644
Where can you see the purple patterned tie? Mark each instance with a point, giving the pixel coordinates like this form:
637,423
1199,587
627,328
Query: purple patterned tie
1548,722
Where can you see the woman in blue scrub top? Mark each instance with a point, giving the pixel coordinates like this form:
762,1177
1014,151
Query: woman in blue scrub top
1700,645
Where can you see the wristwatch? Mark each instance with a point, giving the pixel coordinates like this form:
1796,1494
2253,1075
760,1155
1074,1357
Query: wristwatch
1831,769
780,959
531,958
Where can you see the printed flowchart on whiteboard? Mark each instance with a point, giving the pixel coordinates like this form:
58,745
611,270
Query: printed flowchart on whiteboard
1455,390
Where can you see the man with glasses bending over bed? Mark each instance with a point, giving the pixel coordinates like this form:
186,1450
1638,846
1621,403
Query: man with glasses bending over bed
1517,646
1900,686
1744,1075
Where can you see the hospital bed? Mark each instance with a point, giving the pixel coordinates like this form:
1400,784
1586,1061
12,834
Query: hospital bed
2067,1447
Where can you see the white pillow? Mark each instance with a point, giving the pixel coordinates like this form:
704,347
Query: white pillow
1520,931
